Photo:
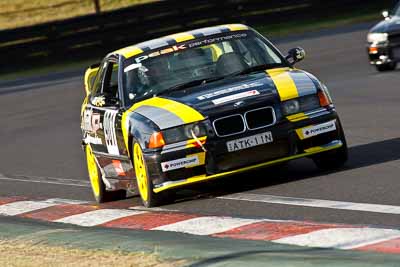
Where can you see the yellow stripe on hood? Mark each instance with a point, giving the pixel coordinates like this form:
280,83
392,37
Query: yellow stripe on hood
284,83
182,111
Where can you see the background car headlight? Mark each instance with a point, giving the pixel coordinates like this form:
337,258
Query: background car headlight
377,37
182,133
301,104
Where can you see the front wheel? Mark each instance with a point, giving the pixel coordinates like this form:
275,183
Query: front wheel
144,183
335,158
99,190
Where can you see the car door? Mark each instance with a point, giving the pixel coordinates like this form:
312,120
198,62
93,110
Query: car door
102,119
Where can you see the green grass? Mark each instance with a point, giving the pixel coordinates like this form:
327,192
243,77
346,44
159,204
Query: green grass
18,13
28,253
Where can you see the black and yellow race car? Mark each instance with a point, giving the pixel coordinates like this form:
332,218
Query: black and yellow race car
201,105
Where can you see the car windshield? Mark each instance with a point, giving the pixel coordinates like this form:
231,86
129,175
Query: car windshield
397,10
197,62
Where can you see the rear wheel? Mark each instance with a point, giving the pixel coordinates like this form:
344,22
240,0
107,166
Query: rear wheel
386,67
333,159
99,190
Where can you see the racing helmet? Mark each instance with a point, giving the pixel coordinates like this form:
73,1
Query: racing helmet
143,76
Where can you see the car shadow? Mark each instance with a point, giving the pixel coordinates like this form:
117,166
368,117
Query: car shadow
374,72
360,156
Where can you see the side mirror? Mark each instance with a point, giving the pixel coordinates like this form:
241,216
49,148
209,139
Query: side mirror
386,14
295,55
104,100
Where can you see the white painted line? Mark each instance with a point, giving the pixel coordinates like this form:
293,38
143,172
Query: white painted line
341,238
66,201
206,225
96,217
19,207
37,84
316,203
47,180
155,209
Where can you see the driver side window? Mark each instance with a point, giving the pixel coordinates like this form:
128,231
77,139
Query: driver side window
110,81
98,81
105,88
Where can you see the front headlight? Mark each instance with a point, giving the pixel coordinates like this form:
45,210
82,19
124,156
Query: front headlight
185,132
291,107
377,37
301,104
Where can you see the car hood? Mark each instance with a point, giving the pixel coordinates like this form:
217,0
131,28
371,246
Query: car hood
389,26
270,87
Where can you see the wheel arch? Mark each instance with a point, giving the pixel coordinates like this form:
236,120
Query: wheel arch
140,128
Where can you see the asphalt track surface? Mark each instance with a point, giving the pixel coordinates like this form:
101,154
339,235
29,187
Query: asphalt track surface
40,154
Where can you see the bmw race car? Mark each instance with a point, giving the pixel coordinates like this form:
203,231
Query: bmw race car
201,105
384,41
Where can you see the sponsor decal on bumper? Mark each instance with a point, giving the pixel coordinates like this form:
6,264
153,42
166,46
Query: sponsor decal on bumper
188,162
315,130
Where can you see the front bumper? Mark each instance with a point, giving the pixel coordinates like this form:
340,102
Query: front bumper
383,53
289,142
200,178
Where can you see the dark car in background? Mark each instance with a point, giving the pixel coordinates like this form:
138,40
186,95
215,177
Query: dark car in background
384,41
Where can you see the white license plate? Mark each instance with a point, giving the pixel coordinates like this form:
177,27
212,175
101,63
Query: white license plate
250,141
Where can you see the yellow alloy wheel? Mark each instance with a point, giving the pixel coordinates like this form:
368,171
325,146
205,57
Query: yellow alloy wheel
141,172
93,171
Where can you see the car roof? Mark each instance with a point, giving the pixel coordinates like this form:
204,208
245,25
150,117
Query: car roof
176,38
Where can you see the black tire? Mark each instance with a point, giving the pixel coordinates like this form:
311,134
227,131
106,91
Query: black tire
100,193
335,158
144,181
386,67
110,196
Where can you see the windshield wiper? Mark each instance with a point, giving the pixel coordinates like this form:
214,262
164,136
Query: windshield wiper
189,84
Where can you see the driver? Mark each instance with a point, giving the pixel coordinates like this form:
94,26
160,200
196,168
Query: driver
154,72
152,76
